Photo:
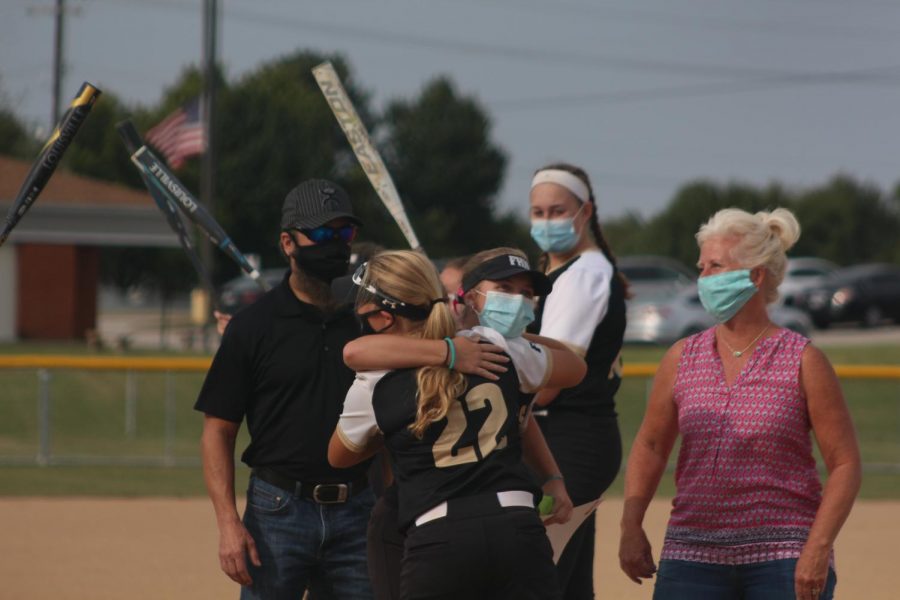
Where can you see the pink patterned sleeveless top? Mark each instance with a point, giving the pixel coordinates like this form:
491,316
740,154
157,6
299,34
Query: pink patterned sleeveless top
747,486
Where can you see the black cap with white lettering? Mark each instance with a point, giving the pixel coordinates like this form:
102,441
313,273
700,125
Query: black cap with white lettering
503,267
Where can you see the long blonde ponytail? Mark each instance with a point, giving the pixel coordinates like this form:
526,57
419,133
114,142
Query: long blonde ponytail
411,278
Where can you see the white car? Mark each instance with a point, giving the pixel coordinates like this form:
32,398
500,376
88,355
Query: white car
668,318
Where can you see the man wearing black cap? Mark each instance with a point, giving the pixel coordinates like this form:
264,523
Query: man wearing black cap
280,366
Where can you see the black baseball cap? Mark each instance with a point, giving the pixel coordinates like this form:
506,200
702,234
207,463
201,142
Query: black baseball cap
503,267
314,203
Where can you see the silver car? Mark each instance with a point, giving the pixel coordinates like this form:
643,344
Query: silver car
667,318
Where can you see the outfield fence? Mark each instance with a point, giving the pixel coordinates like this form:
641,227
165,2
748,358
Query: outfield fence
137,411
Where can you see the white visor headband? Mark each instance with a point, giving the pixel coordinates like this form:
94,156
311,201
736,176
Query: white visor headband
565,179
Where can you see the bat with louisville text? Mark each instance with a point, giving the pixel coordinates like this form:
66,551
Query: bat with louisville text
156,172
50,155
168,208
366,154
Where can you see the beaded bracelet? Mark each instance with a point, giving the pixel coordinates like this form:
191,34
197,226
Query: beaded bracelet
451,350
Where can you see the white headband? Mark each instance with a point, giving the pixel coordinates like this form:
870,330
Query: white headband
565,179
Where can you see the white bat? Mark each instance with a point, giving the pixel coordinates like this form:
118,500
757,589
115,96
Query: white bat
366,154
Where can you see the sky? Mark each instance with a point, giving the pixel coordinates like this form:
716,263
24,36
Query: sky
644,95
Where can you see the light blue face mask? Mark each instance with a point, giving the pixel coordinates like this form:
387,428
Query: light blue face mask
555,235
508,314
723,294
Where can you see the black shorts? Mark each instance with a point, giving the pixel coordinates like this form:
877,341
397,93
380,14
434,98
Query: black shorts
490,554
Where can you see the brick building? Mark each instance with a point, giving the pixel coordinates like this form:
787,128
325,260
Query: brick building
50,265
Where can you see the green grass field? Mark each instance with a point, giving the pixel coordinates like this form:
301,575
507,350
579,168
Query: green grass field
89,420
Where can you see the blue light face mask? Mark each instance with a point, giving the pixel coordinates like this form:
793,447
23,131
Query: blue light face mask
508,314
723,294
555,235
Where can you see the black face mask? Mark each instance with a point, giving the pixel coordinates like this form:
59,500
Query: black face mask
326,261
365,327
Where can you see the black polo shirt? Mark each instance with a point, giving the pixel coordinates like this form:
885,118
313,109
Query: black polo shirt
280,365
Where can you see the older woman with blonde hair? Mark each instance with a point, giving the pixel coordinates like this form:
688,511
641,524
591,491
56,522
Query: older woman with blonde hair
750,518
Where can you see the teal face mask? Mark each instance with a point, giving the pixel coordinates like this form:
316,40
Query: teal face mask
555,235
723,294
508,314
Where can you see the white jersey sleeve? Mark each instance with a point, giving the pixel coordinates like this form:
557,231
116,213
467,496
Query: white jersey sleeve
357,426
533,362
578,302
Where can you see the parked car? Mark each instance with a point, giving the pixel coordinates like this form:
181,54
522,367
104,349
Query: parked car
243,291
868,293
801,275
652,276
667,318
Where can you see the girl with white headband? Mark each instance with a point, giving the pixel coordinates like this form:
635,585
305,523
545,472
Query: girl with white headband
586,311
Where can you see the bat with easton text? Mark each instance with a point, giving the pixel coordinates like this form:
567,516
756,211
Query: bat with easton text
156,172
366,154
168,208
50,155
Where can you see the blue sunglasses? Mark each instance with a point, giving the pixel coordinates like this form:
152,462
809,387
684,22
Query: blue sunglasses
324,233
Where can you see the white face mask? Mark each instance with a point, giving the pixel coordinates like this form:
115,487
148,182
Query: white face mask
508,314
555,235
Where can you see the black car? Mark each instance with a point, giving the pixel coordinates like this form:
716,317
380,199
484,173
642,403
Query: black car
867,293
242,291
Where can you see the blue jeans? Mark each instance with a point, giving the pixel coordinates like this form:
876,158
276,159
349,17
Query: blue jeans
770,580
303,545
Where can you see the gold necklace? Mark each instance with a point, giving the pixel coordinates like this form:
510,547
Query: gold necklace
739,353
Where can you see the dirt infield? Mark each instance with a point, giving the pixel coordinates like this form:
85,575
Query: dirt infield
166,548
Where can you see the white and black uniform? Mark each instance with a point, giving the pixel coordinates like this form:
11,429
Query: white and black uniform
585,311
461,543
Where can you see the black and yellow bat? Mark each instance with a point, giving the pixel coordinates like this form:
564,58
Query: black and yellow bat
50,156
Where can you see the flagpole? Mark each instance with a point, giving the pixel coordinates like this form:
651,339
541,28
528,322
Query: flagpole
207,179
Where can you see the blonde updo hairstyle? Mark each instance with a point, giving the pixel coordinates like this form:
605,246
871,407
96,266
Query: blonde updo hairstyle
410,277
763,239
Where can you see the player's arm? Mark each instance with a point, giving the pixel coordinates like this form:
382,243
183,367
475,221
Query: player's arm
386,351
356,436
235,543
341,455
538,365
536,454
567,368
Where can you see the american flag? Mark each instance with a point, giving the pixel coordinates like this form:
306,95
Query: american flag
180,135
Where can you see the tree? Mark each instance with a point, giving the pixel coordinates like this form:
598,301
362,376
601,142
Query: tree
97,151
671,233
847,222
14,137
276,130
625,234
448,171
